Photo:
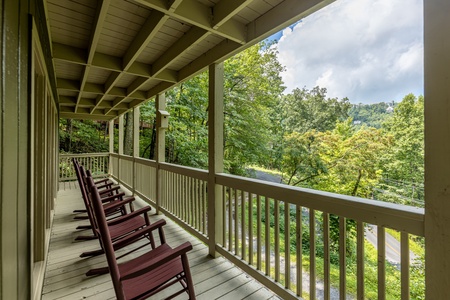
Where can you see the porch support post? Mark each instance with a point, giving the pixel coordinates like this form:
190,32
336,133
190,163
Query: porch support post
120,150
111,146
136,115
160,151
437,148
215,158
121,125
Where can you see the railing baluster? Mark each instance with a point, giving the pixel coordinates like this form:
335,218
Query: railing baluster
243,236
312,254
381,245
230,219
360,260
224,216
258,232
250,228
205,197
277,239
342,257
267,235
404,245
236,223
287,246
299,248
326,255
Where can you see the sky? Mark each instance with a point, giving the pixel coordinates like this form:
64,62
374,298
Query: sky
369,51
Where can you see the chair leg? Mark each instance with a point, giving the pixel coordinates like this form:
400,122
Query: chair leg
81,217
79,211
84,227
85,237
92,253
97,271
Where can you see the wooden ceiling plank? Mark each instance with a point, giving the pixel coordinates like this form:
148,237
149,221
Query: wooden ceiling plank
191,37
151,27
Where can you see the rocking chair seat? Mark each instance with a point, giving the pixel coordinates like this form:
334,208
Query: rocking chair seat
154,279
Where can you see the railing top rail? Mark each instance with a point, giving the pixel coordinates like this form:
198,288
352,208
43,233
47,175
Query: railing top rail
146,161
83,154
400,217
187,171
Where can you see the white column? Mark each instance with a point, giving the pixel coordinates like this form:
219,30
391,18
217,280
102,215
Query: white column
160,151
136,115
215,158
111,146
121,125
437,147
120,150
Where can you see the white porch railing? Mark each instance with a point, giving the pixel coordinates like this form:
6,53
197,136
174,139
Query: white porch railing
264,226
97,163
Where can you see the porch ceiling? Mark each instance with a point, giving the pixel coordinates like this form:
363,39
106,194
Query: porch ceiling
112,55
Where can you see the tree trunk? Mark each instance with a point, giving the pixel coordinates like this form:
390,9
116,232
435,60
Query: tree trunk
153,141
69,127
128,134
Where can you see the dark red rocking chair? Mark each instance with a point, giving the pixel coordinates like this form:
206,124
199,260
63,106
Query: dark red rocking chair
149,273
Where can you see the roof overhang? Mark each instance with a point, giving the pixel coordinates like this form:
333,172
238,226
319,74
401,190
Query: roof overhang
112,55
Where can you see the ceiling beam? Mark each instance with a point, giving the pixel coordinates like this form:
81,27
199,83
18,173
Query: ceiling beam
102,10
108,62
183,44
148,31
281,16
226,9
197,14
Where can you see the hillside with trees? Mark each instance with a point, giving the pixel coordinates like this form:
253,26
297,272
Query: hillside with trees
374,151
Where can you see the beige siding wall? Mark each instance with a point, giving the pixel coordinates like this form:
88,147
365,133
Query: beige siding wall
28,154
15,264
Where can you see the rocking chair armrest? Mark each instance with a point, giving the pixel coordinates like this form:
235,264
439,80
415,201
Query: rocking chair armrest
130,215
108,190
101,181
118,204
128,239
113,197
157,261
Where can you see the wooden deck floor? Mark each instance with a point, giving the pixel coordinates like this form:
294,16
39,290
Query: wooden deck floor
65,279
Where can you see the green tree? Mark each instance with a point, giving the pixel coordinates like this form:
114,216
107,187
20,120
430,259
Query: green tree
253,86
82,136
304,110
405,158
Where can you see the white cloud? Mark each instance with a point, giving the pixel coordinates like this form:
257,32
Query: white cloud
366,50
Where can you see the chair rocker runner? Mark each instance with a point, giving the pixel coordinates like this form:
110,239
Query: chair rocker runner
149,273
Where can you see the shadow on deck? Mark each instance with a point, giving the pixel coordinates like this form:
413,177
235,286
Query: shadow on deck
65,279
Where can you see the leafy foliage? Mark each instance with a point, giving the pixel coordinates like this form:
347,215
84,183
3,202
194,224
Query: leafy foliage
82,136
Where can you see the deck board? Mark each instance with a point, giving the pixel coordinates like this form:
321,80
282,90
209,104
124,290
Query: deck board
65,279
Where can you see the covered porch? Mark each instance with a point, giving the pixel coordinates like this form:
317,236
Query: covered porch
99,59
65,272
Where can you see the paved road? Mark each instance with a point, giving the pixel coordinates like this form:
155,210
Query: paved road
392,246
